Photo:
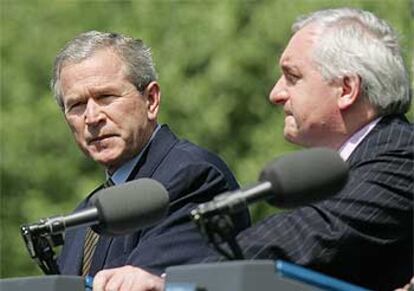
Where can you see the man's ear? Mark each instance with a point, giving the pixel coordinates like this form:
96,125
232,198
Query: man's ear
351,90
153,93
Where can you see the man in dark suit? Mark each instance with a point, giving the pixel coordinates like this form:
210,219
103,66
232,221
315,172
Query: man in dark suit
343,86
106,86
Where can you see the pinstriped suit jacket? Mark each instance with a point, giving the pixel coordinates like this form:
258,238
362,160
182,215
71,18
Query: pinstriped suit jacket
363,234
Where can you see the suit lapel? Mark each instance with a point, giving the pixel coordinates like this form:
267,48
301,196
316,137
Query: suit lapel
72,263
379,135
102,246
71,257
76,240
154,154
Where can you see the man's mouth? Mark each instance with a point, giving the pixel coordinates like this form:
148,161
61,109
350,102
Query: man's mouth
99,138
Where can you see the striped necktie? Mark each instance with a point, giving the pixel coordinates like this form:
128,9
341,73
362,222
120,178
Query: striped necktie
91,240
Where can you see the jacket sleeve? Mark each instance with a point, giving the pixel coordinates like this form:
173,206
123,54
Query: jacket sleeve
176,240
361,232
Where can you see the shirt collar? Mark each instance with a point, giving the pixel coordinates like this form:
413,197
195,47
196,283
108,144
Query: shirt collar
121,174
350,145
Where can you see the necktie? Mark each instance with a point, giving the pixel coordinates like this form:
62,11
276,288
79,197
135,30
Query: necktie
91,239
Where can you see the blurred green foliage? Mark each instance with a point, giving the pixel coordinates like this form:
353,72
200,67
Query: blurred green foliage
217,61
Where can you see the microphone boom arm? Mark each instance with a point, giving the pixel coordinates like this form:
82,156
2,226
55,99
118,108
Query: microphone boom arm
40,248
233,202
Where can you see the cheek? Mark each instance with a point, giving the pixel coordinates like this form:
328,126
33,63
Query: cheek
301,109
310,104
131,125
75,126
132,111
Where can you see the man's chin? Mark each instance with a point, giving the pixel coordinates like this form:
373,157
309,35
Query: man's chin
107,160
293,138
290,139
289,136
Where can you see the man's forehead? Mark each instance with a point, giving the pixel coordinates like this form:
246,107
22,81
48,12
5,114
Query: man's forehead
300,46
290,59
106,88
102,61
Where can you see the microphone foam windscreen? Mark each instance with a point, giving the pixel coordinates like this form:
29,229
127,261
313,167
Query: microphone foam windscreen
305,177
131,206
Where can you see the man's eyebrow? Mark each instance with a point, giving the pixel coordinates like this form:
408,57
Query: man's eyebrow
72,97
104,89
288,68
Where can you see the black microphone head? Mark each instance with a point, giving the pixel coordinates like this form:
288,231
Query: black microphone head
131,206
305,177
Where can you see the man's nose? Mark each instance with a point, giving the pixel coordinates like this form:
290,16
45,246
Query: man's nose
93,112
279,94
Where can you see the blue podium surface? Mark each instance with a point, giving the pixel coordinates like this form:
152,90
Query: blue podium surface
313,278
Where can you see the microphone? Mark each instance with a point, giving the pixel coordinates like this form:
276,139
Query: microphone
116,210
290,181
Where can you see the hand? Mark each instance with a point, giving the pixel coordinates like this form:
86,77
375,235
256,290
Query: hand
127,278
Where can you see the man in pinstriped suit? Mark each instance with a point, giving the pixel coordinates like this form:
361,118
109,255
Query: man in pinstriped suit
343,86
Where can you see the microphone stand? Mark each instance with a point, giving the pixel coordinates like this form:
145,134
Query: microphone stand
219,229
40,248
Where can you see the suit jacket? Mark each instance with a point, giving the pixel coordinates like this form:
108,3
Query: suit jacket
363,234
191,175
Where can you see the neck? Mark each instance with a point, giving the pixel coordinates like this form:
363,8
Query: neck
355,118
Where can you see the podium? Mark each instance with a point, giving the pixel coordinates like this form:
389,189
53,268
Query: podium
231,276
263,275
44,283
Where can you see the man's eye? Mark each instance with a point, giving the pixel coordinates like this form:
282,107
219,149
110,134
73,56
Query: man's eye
75,106
106,96
291,78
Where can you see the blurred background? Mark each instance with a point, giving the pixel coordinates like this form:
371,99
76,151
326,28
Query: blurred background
217,61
